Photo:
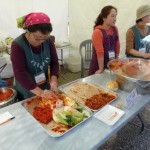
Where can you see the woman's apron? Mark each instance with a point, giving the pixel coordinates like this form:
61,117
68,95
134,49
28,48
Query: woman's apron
138,44
109,43
35,63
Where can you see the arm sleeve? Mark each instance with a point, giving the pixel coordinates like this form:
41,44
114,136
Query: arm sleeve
54,65
97,40
129,40
19,67
118,43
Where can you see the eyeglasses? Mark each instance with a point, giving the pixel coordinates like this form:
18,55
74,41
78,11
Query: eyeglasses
40,38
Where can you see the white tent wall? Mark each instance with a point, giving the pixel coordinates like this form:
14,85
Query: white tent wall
83,13
55,9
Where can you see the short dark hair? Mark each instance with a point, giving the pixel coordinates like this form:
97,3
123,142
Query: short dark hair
44,28
139,20
103,14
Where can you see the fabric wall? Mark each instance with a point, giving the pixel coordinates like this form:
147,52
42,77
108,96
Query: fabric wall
83,13
56,9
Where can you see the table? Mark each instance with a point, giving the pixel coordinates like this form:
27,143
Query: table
62,46
24,133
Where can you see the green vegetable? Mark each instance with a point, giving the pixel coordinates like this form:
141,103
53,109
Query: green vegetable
2,45
20,22
8,40
80,109
68,116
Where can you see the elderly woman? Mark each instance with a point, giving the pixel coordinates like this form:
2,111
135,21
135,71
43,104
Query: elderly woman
138,36
105,40
31,54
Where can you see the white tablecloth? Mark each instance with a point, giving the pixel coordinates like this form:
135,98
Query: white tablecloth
24,132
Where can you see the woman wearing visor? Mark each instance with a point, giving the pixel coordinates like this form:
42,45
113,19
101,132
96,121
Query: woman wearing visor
31,54
138,36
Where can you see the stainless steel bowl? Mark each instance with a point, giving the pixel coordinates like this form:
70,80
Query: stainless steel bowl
127,80
125,83
10,99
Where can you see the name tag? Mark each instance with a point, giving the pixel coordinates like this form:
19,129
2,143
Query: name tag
40,78
142,50
111,54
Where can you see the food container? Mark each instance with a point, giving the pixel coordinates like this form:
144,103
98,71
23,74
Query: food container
53,128
89,95
143,87
7,96
129,71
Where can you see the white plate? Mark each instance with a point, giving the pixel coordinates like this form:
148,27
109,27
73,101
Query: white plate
109,114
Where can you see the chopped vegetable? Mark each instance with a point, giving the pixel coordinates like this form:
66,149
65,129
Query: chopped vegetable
68,101
68,116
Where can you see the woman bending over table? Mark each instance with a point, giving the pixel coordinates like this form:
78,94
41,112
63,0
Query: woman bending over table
31,54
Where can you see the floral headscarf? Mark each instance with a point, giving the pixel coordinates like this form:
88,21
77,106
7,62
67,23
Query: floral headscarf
32,19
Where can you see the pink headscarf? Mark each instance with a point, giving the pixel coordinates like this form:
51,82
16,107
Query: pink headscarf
36,18
32,19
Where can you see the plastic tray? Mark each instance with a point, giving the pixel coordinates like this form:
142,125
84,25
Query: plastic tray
109,114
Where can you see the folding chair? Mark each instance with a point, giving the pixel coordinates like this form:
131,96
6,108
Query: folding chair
86,49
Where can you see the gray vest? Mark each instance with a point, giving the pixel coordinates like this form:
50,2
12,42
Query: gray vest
137,43
35,63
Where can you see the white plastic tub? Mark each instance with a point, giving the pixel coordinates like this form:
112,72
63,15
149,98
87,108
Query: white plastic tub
73,64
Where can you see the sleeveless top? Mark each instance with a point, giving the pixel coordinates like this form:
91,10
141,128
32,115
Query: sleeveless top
137,41
109,43
35,63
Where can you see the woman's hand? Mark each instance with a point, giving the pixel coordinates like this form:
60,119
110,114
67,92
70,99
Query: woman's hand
98,71
53,86
146,55
37,91
43,93
48,94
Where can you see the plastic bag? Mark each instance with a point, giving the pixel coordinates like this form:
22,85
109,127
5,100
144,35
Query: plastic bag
143,87
3,84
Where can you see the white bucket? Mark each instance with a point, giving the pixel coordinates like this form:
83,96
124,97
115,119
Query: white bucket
73,64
